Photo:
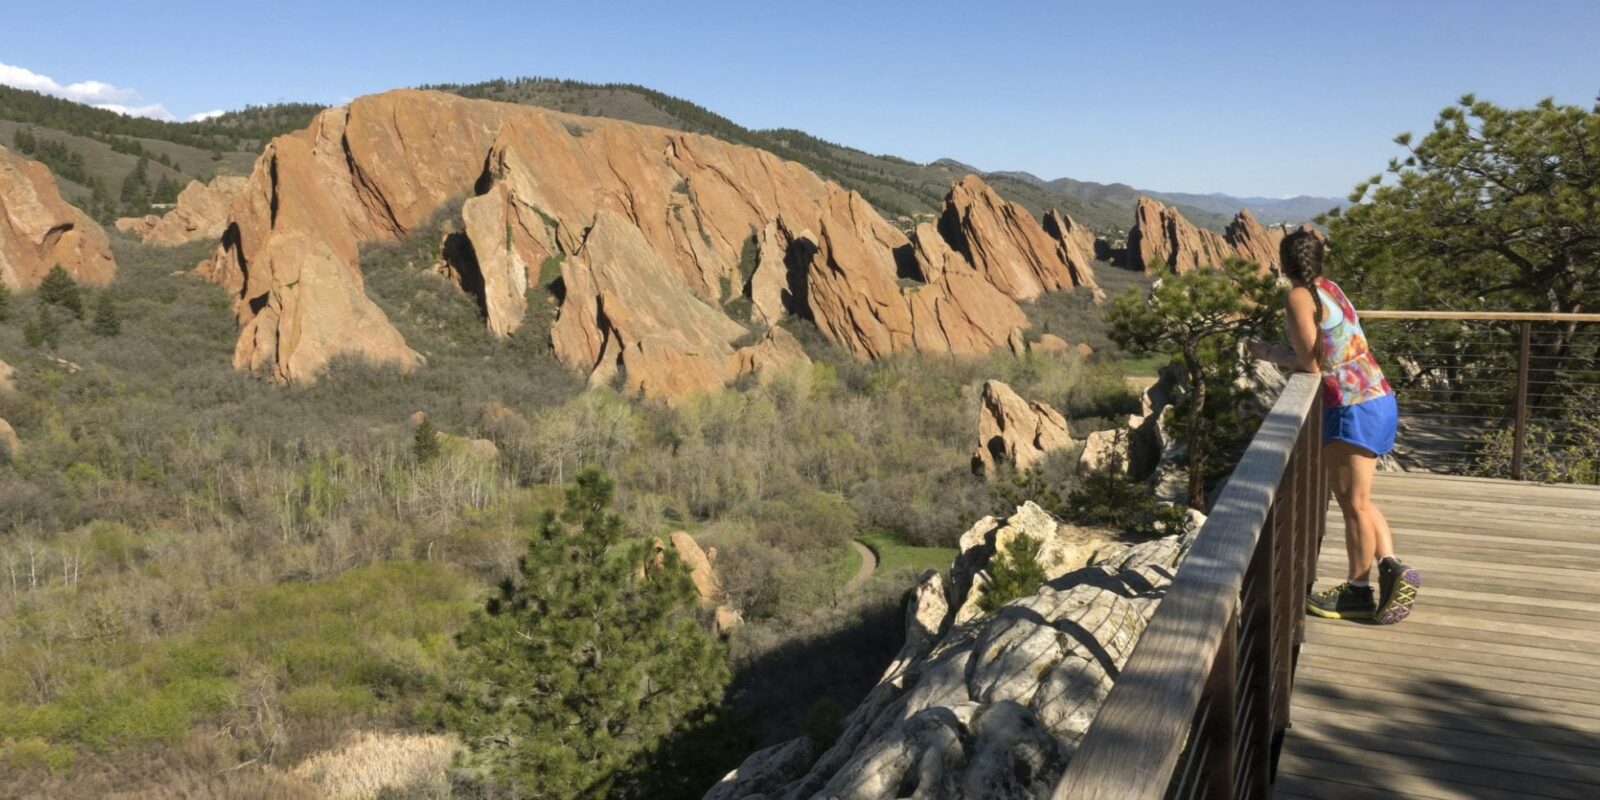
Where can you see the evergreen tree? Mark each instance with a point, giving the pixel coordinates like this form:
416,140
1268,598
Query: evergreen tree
1200,316
59,289
5,302
1013,572
582,670
43,330
425,445
106,320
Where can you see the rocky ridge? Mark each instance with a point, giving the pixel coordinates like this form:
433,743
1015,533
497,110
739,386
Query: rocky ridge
983,705
39,230
610,201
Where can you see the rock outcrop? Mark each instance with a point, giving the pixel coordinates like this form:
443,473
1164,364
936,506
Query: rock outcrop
8,378
624,317
1161,233
1014,431
1252,242
1008,246
39,230
702,566
201,213
1075,247
681,206
987,705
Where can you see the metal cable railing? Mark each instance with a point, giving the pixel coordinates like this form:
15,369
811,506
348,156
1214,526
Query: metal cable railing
1500,395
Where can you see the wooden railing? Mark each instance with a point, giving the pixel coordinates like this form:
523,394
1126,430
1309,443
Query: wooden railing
1200,707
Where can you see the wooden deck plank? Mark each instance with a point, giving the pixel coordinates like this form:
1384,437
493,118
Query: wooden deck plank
1492,688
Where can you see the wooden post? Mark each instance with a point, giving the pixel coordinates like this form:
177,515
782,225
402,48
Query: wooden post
1220,729
1519,436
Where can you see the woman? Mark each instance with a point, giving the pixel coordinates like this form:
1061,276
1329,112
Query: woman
1358,425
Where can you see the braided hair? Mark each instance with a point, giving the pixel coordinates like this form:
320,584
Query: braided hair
1301,255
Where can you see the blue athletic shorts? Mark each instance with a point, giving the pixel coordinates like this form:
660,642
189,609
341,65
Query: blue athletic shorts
1369,424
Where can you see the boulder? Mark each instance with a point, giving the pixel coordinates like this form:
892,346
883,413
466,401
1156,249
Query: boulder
39,230
1104,450
1161,234
201,213
1013,431
1051,343
701,572
8,378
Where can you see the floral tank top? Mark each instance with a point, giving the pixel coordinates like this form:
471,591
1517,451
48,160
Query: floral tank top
1350,373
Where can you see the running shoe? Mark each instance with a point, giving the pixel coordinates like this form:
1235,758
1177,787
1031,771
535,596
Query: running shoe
1397,590
1344,601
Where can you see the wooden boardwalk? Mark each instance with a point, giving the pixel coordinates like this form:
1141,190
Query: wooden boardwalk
1492,688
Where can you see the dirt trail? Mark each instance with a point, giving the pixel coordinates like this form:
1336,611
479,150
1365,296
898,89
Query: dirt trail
869,565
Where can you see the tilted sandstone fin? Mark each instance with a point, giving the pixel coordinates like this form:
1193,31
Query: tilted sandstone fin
201,213
39,229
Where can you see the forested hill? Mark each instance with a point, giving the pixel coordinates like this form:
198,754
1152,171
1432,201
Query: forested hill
114,165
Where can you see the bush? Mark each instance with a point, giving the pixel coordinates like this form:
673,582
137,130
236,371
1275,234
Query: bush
1014,572
106,320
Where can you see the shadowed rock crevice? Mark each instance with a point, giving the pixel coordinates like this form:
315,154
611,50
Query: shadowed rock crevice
459,261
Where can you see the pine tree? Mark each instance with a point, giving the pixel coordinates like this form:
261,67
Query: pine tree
43,330
1013,572
59,289
106,320
581,670
1201,317
425,443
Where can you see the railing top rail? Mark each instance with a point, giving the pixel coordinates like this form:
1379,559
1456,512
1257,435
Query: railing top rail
1139,734
1480,316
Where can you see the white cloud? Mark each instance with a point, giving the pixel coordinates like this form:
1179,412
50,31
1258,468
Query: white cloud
205,115
95,93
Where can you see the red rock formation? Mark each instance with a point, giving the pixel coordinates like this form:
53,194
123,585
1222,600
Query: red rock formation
1007,245
1252,242
39,230
1013,431
1075,248
679,206
371,171
626,315
201,213
1162,234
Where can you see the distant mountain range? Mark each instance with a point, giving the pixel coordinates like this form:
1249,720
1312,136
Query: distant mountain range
1206,210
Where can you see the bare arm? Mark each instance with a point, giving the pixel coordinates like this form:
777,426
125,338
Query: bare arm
1302,353
1303,330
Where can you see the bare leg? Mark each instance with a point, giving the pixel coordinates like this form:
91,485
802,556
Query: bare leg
1366,530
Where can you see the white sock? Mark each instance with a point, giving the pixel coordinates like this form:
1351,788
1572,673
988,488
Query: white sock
1360,584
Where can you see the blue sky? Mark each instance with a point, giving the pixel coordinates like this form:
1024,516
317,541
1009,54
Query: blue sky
1244,98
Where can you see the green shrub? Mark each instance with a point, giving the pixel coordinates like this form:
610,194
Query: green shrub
1014,572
